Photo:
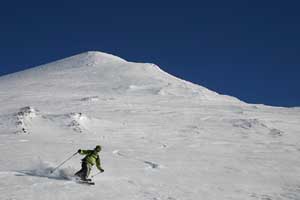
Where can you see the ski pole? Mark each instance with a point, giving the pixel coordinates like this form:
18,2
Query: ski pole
63,162
96,174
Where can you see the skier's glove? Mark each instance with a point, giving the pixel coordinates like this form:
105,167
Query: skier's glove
79,151
101,170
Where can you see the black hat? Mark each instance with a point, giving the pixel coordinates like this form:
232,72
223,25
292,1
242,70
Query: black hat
98,148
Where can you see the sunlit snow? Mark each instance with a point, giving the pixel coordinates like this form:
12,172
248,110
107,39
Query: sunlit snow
163,138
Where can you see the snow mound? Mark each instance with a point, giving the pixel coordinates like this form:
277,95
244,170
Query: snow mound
144,89
77,122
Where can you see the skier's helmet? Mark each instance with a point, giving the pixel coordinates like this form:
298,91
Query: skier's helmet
98,148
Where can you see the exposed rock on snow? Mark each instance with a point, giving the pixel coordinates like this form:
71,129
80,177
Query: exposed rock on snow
78,122
248,123
255,125
24,117
90,99
152,164
276,132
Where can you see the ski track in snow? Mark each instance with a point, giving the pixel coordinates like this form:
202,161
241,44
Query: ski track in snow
163,138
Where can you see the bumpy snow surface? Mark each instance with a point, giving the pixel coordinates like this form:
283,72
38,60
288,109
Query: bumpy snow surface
163,138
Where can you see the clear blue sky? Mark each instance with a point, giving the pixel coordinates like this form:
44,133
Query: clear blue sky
248,49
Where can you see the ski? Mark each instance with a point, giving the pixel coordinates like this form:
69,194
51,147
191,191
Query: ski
85,182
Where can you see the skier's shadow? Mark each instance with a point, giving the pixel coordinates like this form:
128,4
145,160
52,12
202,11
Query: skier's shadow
47,175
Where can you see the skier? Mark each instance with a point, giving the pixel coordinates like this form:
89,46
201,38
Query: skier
92,158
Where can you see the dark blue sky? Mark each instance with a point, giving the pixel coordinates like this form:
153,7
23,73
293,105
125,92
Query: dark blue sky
248,49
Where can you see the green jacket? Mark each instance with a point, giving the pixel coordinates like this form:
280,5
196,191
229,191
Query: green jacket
91,158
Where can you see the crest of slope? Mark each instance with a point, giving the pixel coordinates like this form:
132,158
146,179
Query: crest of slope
97,73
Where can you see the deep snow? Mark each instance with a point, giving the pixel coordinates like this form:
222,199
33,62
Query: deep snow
163,138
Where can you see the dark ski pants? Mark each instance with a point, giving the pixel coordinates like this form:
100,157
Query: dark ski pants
84,172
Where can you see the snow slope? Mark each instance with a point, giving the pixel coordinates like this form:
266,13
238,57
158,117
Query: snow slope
163,138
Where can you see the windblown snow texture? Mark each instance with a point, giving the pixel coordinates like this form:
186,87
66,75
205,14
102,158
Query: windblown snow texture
163,138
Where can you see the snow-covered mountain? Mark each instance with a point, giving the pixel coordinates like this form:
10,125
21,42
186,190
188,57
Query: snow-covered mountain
103,74
162,137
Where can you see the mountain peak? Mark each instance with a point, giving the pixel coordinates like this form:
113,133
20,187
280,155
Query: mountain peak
99,56
99,73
